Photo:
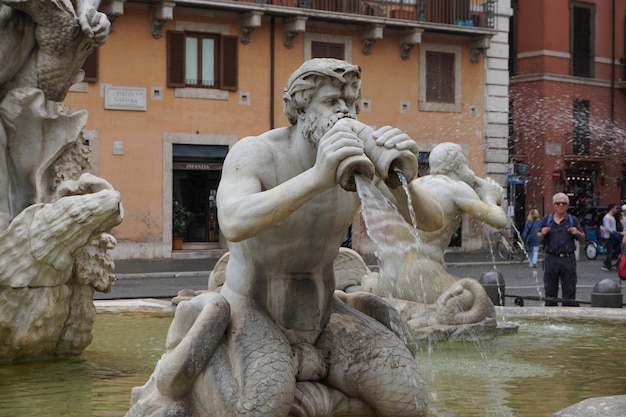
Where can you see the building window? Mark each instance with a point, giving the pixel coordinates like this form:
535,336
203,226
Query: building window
321,45
582,29
90,66
327,50
202,60
513,36
440,78
581,139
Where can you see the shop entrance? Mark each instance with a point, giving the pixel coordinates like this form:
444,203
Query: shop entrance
197,170
581,189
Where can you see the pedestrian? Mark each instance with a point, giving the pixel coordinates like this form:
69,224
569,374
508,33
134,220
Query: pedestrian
559,232
619,220
531,240
624,228
609,228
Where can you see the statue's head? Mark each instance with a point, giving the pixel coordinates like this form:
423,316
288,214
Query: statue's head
305,81
446,158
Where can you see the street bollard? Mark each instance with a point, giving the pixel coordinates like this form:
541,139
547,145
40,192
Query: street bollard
493,283
606,293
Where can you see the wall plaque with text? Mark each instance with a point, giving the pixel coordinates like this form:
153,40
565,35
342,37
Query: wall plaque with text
125,98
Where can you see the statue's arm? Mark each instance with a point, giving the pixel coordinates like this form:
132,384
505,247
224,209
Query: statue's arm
490,213
489,191
247,205
428,213
95,25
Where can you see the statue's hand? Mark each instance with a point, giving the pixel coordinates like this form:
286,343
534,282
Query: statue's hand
337,145
95,25
392,137
490,191
86,184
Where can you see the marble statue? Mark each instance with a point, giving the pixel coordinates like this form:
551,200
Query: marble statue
277,340
44,45
54,215
455,301
459,191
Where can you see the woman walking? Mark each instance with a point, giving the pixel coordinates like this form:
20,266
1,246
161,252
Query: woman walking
531,241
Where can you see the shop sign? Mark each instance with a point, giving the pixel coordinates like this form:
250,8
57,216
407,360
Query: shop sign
198,166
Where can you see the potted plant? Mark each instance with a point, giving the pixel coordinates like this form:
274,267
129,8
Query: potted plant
181,217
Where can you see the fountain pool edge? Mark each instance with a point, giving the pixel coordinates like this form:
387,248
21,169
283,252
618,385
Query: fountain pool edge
141,305
147,305
586,312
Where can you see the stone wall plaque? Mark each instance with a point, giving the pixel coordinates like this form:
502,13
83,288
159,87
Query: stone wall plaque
125,98
553,149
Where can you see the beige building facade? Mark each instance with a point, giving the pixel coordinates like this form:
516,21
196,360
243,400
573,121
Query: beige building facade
180,82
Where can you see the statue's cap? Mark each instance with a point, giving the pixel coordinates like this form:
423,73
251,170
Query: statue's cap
330,67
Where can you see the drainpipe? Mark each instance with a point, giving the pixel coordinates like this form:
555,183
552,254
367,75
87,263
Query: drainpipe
272,69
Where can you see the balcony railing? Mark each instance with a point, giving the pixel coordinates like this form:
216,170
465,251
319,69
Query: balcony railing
469,13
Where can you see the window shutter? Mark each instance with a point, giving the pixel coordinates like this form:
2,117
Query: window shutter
90,66
327,50
440,80
175,59
582,38
318,50
447,78
432,76
228,61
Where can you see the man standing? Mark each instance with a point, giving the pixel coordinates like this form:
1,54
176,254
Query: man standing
559,231
609,226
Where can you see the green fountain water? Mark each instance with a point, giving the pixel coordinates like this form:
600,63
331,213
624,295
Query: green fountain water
548,365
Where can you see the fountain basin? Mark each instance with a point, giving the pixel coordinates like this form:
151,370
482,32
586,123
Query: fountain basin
558,357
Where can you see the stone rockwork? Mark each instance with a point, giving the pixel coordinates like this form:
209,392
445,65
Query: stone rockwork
57,257
55,217
612,406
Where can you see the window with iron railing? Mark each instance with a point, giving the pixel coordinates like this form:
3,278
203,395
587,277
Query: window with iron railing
202,60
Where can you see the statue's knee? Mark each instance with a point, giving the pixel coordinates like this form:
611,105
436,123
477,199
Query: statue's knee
185,316
312,363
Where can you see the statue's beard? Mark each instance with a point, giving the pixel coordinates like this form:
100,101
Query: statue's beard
314,127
